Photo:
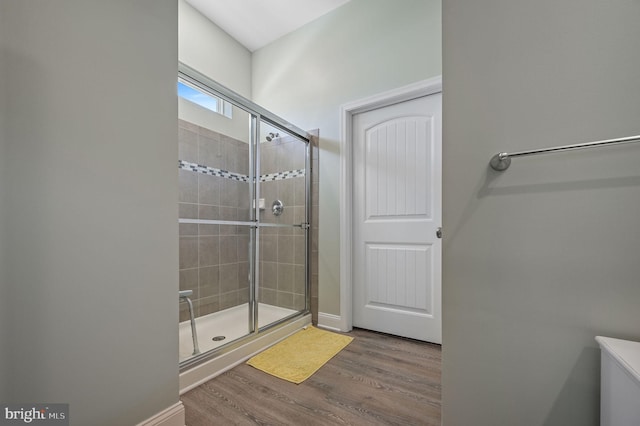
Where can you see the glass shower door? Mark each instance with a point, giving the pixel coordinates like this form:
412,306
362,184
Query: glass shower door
217,228
244,193
283,225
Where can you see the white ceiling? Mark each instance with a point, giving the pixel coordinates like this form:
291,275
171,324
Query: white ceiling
256,23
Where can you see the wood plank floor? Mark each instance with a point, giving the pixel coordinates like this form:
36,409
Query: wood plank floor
377,380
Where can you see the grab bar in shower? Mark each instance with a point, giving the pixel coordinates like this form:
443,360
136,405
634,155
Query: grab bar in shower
502,160
184,295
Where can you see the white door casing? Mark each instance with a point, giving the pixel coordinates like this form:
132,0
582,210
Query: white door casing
390,212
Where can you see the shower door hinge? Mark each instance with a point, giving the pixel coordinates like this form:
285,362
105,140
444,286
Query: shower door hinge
305,226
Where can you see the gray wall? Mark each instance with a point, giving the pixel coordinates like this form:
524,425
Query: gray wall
357,50
5,368
89,206
543,257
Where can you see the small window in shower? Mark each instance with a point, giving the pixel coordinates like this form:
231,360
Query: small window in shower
203,99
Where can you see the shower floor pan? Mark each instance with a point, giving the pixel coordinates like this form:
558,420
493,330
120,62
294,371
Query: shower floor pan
232,323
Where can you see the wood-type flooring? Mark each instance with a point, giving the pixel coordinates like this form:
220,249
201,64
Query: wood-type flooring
378,379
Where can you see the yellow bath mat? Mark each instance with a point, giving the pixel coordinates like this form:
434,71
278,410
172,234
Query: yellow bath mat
300,355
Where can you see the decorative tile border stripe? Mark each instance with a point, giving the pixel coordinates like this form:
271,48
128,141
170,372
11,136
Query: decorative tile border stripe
282,175
212,171
184,165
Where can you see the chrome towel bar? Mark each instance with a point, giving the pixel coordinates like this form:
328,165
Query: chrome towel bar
502,160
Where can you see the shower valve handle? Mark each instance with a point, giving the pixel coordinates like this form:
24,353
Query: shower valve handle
277,207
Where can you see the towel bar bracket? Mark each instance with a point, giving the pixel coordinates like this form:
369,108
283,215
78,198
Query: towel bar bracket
500,161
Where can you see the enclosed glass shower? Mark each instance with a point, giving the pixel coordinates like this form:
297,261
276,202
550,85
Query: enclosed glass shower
244,209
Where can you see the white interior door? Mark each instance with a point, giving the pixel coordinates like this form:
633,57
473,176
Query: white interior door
397,205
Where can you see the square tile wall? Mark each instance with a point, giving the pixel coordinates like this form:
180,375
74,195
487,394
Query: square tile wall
282,250
214,259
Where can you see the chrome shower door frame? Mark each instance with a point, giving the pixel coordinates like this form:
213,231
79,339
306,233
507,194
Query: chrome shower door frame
257,114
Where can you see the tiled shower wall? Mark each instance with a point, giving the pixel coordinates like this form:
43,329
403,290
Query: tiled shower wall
282,250
214,258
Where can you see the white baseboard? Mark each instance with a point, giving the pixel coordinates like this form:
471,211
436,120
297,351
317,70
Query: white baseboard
171,416
330,322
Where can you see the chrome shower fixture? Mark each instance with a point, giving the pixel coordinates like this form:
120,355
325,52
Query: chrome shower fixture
271,136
